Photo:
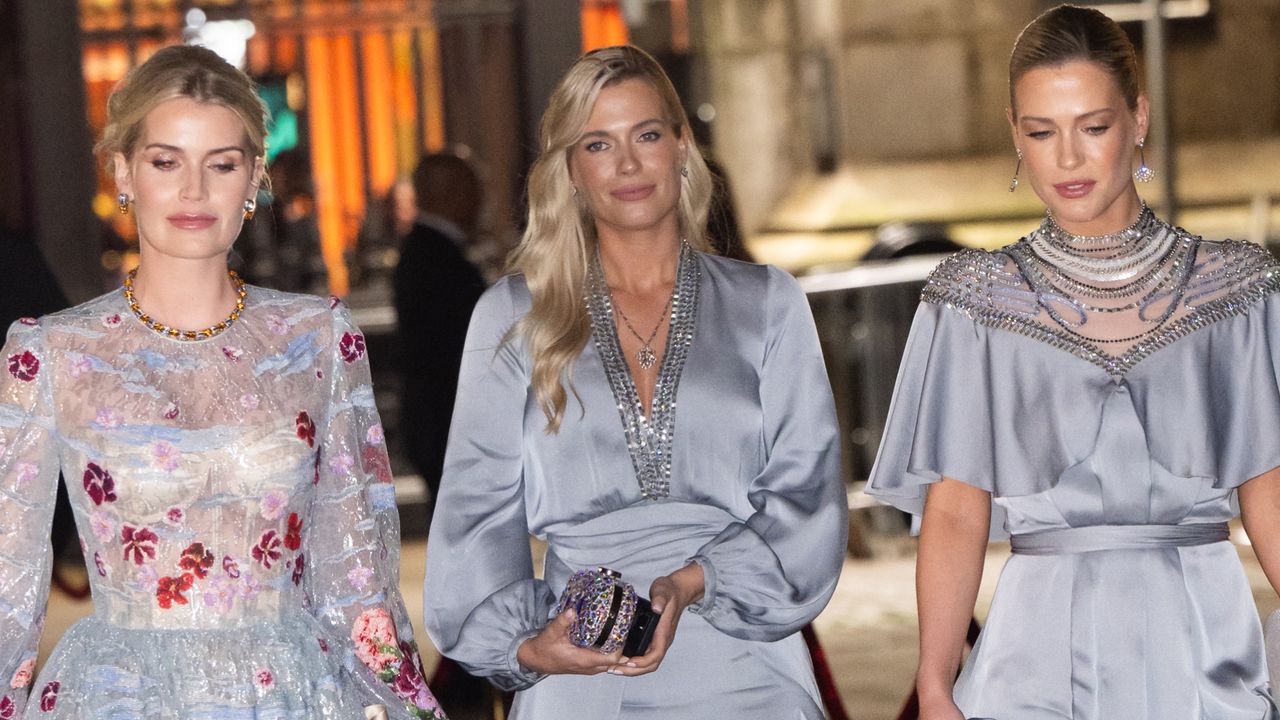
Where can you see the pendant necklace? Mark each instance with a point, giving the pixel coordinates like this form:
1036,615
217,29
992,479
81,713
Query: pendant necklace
645,356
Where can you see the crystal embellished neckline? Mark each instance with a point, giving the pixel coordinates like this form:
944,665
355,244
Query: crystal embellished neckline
1114,257
185,335
649,439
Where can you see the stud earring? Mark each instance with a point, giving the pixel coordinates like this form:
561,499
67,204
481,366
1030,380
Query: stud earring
250,207
1143,174
684,171
573,190
1013,184
122,203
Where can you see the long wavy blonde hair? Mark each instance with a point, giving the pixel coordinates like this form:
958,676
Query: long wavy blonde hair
559,238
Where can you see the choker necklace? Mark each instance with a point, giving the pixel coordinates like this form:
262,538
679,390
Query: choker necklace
1104,258
175,333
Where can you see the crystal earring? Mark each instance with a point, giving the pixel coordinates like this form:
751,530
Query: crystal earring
1013,184
1143,174
250,207
122,203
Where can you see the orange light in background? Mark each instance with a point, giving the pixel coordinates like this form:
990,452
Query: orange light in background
602,25
405,97
285,49
324,159
432,91
342,73
378,106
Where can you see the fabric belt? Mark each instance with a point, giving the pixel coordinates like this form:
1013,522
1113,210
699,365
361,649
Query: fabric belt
1117,537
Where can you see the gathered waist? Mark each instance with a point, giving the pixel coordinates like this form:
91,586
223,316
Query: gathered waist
1097,538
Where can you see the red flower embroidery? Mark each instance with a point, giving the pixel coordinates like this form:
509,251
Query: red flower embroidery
138,542
171,411
293,536
334,301
324,645
265,678
7,708
49,696
351,346
170,589
99,484
24,366
29,321
267,550
306,428
299,567
374,460
230,567
196,559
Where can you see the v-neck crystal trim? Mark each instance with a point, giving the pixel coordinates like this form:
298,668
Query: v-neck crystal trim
649,439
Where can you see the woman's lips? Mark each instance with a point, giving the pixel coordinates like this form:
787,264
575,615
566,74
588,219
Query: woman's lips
186,221
631,194
1074,188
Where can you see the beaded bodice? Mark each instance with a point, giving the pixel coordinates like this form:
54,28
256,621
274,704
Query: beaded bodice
1174,283
648,438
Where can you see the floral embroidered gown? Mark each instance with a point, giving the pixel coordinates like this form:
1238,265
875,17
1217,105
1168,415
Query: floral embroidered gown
234,504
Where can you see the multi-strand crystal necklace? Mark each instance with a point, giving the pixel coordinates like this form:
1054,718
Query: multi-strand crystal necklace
1141,270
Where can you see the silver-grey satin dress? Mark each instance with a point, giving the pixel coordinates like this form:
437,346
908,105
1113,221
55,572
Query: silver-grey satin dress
1114,475
754,497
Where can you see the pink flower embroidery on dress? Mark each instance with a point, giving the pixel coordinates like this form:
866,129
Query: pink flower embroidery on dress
7,708
164,456
359,577
139,542
175,516
103,569
111,321
334,301
103,525
233,353
249,401
341,464
197,559
98,484
375,434
107,418
27,472
24,366
374,460
351,346
220,594
265,678
230,567
23,676
171,411
273,504
49,696
306,428
374,634
267,550
28,321
277,324
79,366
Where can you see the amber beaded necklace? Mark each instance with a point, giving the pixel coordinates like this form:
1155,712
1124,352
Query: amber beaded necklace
175,333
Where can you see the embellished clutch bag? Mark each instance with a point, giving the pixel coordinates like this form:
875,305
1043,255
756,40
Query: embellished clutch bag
610,615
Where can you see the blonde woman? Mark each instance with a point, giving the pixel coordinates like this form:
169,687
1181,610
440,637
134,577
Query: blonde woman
676,426
1103,391
223,455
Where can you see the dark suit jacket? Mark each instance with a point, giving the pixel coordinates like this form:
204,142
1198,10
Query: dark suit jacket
436,288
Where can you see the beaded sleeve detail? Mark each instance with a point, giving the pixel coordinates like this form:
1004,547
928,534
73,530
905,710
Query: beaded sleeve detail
648,439
1197,284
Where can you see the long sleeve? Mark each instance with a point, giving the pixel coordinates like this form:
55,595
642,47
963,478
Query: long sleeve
28,486
770,575
352,547
482,600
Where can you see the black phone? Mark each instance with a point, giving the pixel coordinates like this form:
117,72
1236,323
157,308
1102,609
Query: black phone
643,623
